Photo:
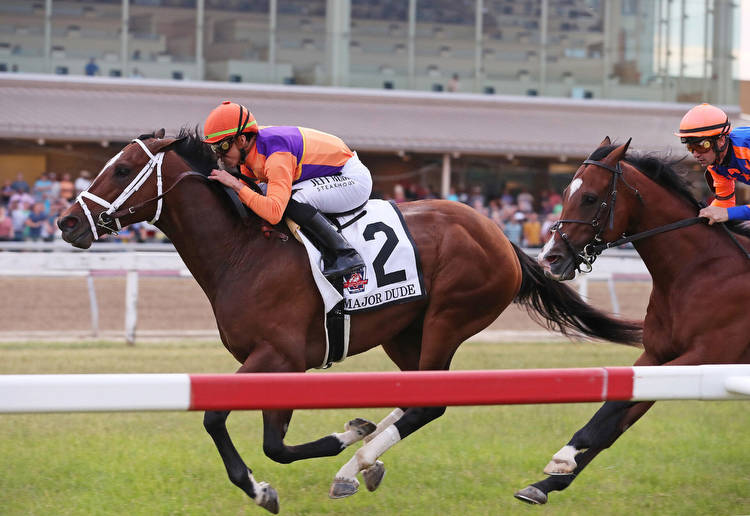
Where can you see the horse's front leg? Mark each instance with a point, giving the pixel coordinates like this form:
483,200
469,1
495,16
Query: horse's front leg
609,423
240,475
276,424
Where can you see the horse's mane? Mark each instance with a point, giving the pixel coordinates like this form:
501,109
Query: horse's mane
669,174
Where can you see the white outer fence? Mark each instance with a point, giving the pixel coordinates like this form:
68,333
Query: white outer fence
61,260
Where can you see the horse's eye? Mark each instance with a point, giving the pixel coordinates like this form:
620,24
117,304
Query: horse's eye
588,199
122,170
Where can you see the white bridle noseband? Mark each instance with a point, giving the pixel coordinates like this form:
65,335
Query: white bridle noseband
154,162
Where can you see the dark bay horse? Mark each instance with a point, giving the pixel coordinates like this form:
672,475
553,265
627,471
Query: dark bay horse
701,279
270,315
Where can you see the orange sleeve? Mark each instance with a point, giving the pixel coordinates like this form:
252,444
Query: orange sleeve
724,196
280,167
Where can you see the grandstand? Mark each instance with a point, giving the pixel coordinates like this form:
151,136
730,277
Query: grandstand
561,48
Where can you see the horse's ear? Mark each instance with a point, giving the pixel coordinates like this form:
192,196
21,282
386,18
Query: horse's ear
619,153
164,144
605,141
160,133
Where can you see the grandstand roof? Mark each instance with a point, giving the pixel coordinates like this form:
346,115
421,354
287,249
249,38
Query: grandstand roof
72,108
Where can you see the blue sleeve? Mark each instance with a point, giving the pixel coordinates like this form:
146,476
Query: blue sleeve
739,212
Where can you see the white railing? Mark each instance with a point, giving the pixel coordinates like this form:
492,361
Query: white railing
29,259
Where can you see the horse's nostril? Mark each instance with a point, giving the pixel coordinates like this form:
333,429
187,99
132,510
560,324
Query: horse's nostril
68,223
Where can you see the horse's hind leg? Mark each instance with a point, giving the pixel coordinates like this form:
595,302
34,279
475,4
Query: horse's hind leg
276,423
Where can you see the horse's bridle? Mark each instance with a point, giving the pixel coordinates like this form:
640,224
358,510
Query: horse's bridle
106,218
586,256
111,215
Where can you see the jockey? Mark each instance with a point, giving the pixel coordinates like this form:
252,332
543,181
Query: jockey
705,129
306,172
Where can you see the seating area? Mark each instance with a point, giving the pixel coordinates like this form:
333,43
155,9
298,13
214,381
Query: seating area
161,43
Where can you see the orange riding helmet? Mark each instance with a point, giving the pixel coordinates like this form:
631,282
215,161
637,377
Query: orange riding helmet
228,119
703,120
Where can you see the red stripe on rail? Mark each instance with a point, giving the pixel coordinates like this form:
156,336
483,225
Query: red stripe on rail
408,389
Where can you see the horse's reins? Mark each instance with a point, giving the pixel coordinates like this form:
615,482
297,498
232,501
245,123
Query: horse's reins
596,246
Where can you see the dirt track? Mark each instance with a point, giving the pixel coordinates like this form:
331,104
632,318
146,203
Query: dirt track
62,304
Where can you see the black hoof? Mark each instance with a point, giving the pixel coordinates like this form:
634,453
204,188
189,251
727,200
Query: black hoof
531,495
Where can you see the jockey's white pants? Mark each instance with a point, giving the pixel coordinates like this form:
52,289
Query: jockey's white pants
336,194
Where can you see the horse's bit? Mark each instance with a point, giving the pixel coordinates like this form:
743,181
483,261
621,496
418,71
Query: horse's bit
586,257
105,218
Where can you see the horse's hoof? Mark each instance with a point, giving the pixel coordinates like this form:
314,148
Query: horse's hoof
343,487
373,475
531,495
267,497
363,427
560,467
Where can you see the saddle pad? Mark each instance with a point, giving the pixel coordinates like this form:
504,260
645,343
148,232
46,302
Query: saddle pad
393,272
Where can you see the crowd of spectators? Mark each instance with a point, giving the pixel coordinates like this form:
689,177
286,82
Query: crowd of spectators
525,219
29,211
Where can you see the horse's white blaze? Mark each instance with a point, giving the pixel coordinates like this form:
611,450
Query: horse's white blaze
574,185
105,167
546,248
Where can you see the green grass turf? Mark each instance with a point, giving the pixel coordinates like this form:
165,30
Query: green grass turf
681,458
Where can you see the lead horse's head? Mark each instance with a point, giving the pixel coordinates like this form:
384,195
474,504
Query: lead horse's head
590,216
128,189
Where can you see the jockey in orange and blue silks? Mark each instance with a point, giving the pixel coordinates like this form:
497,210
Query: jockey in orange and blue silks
305,172
725,153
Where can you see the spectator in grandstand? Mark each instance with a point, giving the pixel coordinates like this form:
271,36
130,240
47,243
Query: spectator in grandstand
514,228
136,74
18,215
42,187
35,221
54,189
20,184
525,201
23,198
6,193
532,230
706,131
454,85
83,181
399,195
6,225
67,188
327,177
91,67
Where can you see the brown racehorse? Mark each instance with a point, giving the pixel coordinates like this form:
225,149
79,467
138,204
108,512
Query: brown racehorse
269,313
701,277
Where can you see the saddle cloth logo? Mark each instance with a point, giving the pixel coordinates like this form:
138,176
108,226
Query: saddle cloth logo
355,283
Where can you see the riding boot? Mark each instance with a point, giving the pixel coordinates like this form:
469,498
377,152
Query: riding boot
339,257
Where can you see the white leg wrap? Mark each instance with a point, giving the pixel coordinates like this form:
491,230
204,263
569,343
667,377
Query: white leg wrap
369,453
348,437
566,454
385,423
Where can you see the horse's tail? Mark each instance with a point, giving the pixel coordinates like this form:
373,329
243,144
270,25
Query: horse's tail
558,307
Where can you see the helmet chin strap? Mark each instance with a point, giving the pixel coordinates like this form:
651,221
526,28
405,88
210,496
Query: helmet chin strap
719,151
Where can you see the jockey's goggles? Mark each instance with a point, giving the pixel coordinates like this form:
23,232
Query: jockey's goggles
700,146
223,146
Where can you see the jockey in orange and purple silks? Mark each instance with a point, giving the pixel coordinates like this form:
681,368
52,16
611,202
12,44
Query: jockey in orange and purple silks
725,153
305,172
